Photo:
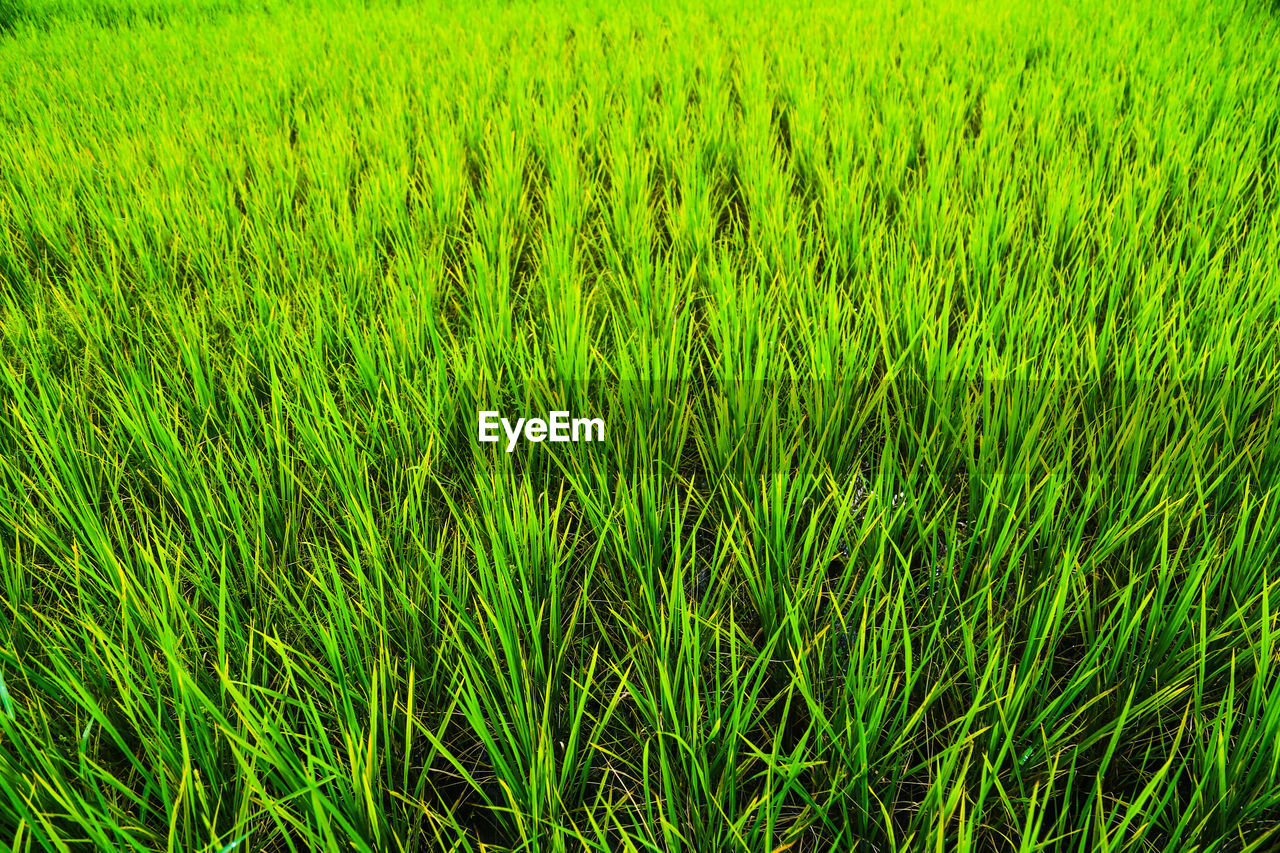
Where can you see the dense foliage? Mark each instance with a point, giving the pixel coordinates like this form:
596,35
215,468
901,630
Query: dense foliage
939,348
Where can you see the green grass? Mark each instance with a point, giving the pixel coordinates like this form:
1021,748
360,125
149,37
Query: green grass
939,346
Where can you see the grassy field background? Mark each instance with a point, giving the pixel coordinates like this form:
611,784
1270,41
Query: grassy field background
939,347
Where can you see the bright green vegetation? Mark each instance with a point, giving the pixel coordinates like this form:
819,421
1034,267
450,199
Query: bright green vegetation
983,558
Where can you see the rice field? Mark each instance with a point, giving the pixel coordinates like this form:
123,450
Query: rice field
936,347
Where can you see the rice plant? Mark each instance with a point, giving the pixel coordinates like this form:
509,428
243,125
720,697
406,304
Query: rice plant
937,348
